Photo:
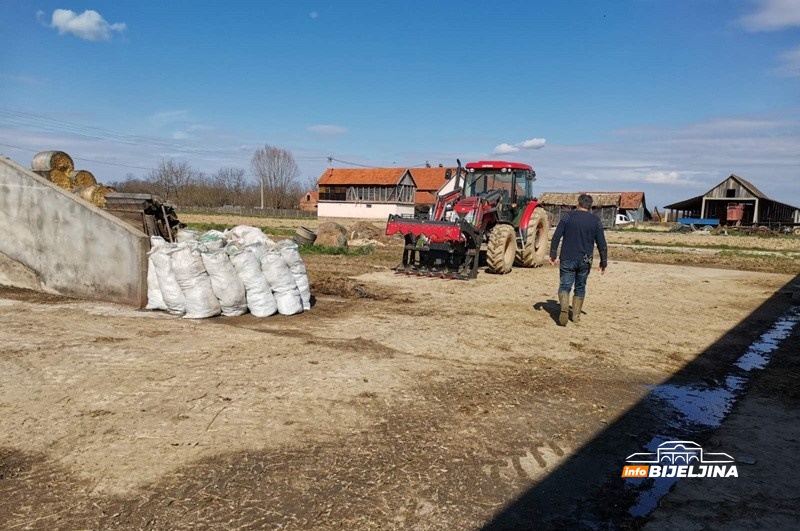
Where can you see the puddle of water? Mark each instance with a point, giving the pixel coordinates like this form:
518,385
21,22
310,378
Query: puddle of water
691,409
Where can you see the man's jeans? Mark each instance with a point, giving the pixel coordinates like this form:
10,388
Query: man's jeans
574,272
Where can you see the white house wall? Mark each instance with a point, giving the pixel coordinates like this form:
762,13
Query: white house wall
333,209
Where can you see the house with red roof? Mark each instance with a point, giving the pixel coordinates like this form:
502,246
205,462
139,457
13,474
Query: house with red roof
378,192
366,192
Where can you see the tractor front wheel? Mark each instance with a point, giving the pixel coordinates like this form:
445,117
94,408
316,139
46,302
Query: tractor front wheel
501,249
534,253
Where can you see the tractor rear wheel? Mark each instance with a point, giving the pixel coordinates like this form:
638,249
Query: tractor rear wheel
501,249
535,251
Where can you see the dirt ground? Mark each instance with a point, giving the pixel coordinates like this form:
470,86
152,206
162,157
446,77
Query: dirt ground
396,402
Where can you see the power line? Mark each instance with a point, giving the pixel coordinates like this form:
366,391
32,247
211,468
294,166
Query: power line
84,160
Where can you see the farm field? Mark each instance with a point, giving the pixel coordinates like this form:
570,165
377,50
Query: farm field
396,402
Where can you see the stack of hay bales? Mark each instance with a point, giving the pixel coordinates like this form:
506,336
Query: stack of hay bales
59,168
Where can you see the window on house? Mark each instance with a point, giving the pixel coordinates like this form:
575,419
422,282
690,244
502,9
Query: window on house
730,192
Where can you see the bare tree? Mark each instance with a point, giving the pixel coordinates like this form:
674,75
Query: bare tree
171,179
277,172
234,182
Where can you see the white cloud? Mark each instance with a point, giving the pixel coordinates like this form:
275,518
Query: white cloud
772,15
665,177
504,149
790,66
313,14
89,25
533,143
326,129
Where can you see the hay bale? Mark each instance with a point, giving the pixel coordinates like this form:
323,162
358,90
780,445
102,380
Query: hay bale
95,194
365,230
46,161
59,178
330,238
82,178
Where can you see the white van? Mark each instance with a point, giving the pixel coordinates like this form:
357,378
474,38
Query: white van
622,219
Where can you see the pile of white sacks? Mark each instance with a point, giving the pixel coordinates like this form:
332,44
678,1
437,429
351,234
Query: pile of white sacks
228,273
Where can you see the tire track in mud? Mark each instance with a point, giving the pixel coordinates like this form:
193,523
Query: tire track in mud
421,462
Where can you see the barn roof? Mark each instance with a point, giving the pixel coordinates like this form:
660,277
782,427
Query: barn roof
362,176
424,198
571,199
431,179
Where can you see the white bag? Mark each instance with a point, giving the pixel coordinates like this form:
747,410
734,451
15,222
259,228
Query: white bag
249,235
284,288
186,236
154,299
171,291
291,254
212,240
195,284
260,300
225,283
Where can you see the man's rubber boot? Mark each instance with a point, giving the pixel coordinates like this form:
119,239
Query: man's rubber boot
563,300
577,304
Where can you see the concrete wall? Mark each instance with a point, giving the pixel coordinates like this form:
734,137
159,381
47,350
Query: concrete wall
73,247
335,209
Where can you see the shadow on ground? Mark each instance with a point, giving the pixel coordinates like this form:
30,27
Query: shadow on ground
587,490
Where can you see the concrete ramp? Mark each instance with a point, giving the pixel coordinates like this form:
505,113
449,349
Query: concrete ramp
72,247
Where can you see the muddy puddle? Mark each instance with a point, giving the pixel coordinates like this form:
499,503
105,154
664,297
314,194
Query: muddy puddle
695,408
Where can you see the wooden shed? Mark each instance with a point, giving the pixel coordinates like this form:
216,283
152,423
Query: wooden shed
736,201
605,205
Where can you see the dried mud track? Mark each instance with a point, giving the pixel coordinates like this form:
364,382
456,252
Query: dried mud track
430,405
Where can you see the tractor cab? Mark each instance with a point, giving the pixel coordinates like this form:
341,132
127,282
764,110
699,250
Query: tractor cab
510,182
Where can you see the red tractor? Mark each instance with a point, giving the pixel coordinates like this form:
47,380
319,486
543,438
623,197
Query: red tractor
491,203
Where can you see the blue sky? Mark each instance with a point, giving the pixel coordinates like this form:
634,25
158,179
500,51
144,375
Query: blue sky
662,96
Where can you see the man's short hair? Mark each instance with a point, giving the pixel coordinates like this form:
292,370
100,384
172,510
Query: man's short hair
585,201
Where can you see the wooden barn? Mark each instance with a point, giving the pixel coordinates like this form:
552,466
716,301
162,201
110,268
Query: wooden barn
736,201
606,206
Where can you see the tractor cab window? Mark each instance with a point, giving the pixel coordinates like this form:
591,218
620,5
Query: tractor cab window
484,181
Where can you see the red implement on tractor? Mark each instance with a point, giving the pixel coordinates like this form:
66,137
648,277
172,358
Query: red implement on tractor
490,203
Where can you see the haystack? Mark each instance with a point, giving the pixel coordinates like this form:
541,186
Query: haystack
331,234
56,166
365,230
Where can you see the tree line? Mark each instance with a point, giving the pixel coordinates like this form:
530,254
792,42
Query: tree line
274,182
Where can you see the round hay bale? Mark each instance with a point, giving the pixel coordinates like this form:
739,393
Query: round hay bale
95,194
81,178
60,178
46,161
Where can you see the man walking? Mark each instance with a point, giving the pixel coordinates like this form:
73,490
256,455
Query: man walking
581,231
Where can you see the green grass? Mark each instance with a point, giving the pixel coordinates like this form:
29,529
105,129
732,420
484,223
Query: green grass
343,251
